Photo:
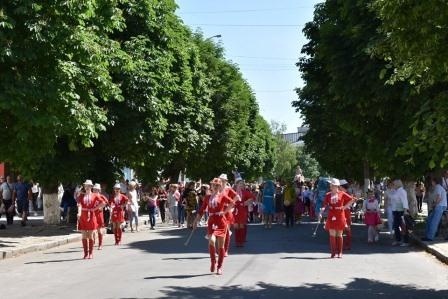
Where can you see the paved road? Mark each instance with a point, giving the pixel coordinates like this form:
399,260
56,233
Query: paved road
276,263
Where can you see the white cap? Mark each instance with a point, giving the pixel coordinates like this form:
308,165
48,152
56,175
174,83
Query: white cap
97,186
343,182
334,182
223,176
117,186
88,183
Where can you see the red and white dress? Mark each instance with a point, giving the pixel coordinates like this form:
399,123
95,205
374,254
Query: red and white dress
88,202
118,204
230,193
336,215
347,211
99,213
217,221
371,212
241,211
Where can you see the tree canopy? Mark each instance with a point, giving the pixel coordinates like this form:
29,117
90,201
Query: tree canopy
89,87
355,118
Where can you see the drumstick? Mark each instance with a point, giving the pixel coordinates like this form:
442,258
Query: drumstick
315,230
189,237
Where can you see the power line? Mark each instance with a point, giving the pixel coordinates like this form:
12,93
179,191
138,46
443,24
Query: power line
249,25
275,91
267,58
243,10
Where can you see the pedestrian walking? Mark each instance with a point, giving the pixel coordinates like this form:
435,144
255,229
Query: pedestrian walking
6,191
21,196
218,205
439,206
151,201
371,209
268,203
400,207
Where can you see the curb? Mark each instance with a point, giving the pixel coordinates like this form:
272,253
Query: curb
4,254
432,249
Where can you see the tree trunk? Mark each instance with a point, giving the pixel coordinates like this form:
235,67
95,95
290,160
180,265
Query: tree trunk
52,211
412,199
366,176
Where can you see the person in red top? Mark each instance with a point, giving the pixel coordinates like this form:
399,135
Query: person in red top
118,204
336,201
218,205
241,212
229,192
88,204
99,215
347,239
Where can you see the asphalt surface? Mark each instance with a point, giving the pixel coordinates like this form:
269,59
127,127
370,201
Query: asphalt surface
275,263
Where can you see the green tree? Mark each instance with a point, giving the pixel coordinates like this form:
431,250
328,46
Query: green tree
310,167
285,154
356,122
415,51
55,64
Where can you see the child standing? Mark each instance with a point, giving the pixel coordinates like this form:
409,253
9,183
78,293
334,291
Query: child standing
372,218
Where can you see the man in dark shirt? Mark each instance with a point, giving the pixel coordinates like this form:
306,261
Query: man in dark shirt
21,196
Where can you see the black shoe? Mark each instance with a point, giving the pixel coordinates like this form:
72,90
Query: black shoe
426,239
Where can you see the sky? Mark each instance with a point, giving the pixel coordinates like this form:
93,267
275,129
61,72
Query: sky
264,37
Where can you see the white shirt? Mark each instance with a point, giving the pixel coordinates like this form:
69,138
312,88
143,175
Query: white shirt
399,200
440,191
173,198
134,201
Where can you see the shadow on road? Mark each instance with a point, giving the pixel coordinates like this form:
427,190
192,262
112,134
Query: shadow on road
54,261
177,276
279,239
358,288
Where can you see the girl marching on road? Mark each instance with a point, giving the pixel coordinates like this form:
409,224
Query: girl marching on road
229,192
88,204
337,201
118,203
240,213
347,239
218,206
99,215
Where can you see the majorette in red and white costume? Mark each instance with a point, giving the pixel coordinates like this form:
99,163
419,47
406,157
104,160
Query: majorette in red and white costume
347,239
229,192
99,215
218,206
241,211
118,203
88,204
336,201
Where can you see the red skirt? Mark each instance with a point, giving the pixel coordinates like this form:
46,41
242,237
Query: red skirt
335,220
240,215
117,215
372,218
229,218
87,221
217,225
100,219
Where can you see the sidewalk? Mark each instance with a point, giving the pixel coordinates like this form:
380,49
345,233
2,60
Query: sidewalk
16,240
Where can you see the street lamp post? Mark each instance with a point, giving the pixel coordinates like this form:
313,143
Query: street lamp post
217,36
